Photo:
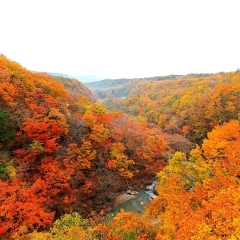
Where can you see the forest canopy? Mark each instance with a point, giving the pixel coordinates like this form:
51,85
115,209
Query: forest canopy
65,157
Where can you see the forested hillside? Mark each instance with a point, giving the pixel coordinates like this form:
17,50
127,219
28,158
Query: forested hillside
61,153
114,88
64,157
76,88
189,105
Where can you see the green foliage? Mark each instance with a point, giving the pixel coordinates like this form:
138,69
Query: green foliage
67,221
68,227
35,145
126,235
6,166
4,117
5,133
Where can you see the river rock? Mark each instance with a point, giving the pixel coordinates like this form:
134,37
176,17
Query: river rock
148,188
134,192
129,191
123,198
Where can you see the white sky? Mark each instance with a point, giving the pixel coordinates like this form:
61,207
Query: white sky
122,38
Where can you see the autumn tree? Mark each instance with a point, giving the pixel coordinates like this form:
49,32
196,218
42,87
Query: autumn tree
23,206
199,196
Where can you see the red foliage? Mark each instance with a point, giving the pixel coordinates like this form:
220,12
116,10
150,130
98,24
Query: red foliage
21,205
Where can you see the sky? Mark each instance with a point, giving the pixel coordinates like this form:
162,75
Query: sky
121,38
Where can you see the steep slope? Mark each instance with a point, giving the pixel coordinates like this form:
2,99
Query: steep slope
75,88
60,153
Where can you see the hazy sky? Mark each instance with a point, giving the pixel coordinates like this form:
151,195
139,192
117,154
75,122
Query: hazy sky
122,38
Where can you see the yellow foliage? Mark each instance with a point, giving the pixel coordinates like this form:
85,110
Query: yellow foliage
99,133
11,171
86,154
89,118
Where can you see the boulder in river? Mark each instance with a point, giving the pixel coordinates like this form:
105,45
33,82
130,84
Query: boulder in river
129,191
134,192
123,198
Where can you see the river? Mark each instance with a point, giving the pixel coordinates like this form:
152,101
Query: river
138,203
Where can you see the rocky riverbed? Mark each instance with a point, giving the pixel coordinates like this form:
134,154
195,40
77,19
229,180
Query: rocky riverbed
129,194
132,201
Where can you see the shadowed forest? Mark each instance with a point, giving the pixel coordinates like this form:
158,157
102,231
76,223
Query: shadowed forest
68,150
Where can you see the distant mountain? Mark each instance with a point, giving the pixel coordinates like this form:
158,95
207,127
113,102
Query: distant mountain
81,78
88,78
60,75
115,88
111,88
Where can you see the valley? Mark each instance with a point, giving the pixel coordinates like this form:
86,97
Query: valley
68,150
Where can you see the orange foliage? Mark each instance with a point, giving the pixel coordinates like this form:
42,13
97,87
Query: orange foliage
67,153
191,105
206,205
71,146
23,206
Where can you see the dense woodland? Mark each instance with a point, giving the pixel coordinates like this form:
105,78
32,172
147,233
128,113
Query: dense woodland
64,157
114,88
188,105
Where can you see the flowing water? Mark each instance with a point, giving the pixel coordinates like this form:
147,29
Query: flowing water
138,203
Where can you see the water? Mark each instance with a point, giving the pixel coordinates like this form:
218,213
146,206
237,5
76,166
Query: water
150,189
138,203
